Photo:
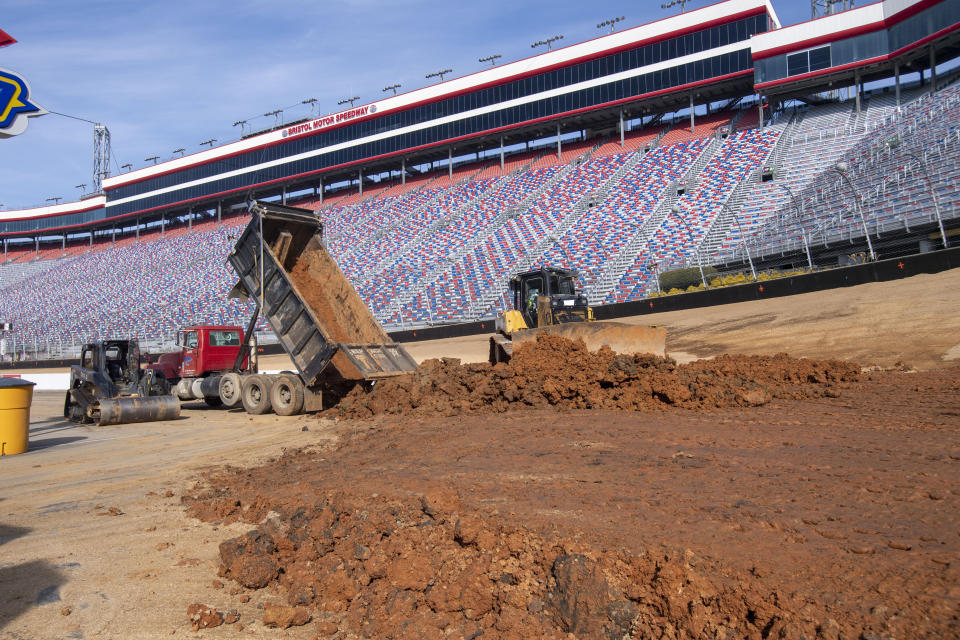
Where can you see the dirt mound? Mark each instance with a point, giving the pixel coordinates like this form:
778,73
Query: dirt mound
379,567
560,373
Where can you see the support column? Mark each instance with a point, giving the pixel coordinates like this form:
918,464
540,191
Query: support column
4,249
36,247
450,163
219,211
403,171
283,195
63,245
559,149
856,86
760,108
163,225
621,128
321,190
113,236
501,153
693,124
91,239
138,230
933,71
896,74
190,218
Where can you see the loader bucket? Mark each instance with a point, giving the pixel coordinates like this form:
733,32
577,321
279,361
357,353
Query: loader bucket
620,337
149,409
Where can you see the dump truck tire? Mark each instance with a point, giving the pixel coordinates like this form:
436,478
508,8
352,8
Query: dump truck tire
214,402
231,386
287,395
255,394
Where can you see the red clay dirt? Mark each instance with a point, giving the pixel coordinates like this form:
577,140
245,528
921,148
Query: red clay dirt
828,511
560,373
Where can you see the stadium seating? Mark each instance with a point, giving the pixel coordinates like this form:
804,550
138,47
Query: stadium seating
440,248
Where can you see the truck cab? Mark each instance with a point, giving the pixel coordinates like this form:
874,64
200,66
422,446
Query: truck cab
203,349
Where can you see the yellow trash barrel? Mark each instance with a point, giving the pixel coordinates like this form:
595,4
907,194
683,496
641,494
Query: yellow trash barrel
16,396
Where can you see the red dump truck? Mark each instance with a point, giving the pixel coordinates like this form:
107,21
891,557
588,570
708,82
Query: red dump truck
322,324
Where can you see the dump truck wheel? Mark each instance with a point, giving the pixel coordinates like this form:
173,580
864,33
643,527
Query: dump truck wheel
255,394
213,401
230,387
287,395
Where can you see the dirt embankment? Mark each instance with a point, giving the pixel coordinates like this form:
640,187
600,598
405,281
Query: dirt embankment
381,567
556,372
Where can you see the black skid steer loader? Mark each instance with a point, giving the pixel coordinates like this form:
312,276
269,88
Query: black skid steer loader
108,387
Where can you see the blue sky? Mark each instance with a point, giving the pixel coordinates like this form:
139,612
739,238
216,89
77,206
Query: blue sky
165,75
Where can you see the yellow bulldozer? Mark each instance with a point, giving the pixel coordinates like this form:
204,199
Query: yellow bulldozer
547,300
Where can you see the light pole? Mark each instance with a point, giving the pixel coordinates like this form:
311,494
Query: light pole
548,42
674,3
351,100
208,142
610,23
743,239
180,151
803,232
127,166
242,124
82,188
675,210
276,115
438,74
392,87
312,102
55,199
895,142
154,158
842,169
491,59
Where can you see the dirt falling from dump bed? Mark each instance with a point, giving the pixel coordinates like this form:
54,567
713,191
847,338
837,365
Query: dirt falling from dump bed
390,568
560,373
341,312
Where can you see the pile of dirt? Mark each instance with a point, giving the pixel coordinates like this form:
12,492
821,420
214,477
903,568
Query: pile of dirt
426,567
560,373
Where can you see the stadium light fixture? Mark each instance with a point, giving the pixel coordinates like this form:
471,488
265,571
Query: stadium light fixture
180,151
894,143
548,42
80,186
208,142
673,3
56,199
276,115
310,101
127,166
392,87
675,210
154,158
439,74
491,59
346,100
612,22
242,124
842,168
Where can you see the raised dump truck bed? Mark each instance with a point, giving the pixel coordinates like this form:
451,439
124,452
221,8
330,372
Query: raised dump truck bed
318,317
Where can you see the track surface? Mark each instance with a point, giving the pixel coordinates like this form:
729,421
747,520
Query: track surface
847,507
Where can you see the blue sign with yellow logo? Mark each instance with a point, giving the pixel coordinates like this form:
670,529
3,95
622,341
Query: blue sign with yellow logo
15,104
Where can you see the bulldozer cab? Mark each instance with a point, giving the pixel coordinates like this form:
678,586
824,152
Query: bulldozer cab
548,296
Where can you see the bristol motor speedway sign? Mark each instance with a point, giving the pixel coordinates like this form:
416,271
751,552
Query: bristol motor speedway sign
15,104
327,121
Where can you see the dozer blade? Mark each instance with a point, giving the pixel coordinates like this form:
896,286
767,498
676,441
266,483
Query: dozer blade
149,409
620,337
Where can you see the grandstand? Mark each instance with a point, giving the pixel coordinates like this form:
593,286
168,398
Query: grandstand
704,145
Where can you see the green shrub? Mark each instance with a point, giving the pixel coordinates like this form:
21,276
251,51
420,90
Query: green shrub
684,278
